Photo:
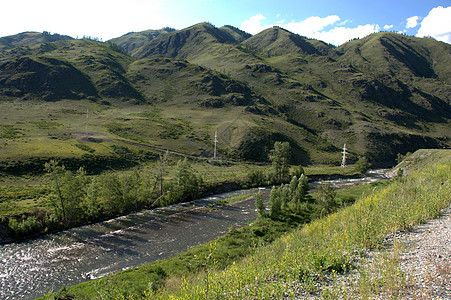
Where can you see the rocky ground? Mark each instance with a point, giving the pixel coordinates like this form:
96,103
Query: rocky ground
427,259
416,264
413,264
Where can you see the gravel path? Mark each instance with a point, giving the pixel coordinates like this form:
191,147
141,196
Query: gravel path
427,259
424,259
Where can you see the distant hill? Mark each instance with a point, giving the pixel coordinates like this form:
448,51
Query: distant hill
185,42
279,41
381,95
132,41
237,34
30,38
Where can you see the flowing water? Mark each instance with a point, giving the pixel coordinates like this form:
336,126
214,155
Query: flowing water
41,265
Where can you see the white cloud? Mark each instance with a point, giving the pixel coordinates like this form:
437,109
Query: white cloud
315,27
101,18
437,24
311,25
344,22
340,35
254,24
412,22
387,27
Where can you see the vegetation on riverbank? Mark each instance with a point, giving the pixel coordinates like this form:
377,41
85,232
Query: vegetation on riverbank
72,198
228,249
296,262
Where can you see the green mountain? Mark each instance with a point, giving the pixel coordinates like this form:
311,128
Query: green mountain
172,89
237,34
186,42
277,41
134,40
30,38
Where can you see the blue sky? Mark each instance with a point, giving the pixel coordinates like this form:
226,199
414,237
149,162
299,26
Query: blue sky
333,21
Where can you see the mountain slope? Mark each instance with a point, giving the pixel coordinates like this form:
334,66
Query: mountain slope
184,43
381,95
278,41
132,41
47,78
101,67
30,38
237,34
399,55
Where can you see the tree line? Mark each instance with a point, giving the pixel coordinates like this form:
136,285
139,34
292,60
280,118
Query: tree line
77,198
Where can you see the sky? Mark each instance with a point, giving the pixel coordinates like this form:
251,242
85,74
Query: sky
332,21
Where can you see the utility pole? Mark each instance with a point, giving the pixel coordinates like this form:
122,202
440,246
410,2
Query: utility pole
216,141
343,162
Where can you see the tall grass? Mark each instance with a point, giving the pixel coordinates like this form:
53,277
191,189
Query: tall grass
297,262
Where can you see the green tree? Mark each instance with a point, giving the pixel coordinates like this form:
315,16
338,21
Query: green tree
148,187
56,172
297,171
69,192
280,157
285,199
293,185
112,194
275,203
256,177
362,165
73,189
300,193
161,171
326,198
186,184
259,205
91,204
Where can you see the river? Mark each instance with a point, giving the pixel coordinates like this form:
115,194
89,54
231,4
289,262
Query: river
44,264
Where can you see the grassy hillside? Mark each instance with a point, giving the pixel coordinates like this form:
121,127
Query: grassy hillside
30,38
277,41
132,41
381,95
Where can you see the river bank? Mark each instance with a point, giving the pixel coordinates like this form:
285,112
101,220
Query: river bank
36,266
8,236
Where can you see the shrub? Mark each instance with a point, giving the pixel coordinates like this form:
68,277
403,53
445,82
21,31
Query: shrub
25,227
256,178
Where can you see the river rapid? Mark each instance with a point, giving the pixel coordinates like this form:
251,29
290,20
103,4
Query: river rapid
41,265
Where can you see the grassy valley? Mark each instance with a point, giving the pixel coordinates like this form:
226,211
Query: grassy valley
276,84
117,106
91,130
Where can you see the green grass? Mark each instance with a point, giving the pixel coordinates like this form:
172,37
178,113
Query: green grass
236,199
349,170
19,200
9,132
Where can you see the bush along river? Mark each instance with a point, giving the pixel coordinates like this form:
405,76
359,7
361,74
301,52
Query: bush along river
44,264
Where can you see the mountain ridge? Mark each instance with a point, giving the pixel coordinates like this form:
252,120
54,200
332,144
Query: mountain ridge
30,38
384,94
